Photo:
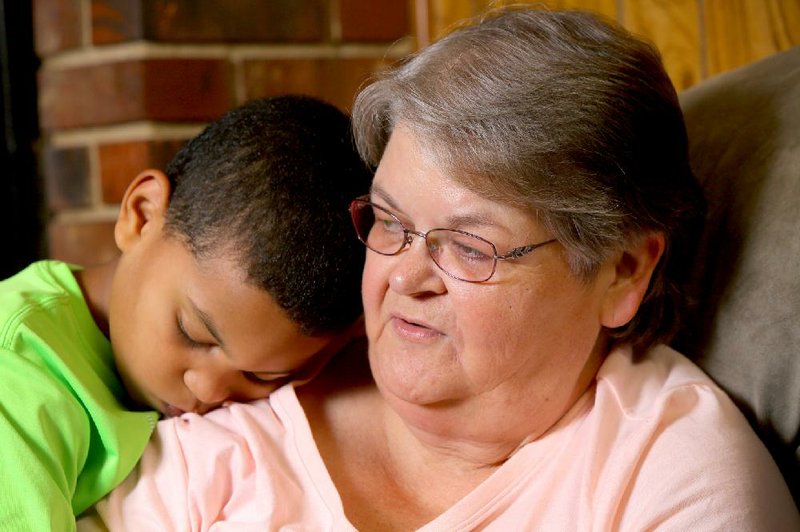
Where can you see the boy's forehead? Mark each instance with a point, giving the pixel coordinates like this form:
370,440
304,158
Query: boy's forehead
246,321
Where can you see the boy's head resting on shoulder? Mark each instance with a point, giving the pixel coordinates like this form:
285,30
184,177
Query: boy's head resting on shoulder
238,269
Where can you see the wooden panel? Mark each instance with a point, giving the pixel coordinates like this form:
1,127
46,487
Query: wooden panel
607,8
444,14
697,38
784,17
674,27
739,32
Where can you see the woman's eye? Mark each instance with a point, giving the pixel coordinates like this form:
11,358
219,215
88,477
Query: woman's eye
389,225
470,253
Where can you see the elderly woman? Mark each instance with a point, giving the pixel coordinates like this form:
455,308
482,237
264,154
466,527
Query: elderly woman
528,224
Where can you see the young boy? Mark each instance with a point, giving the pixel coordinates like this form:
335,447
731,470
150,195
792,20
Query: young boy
238,271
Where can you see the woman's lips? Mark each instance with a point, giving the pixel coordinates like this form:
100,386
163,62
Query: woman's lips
413,330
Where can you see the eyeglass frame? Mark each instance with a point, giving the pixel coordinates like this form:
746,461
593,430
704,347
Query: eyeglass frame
408,235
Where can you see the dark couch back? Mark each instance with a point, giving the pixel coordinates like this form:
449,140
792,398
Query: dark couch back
744,135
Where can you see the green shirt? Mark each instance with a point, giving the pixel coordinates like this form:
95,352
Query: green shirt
66,439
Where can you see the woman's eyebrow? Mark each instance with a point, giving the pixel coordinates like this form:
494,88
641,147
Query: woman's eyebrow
377,190
471,220
456,220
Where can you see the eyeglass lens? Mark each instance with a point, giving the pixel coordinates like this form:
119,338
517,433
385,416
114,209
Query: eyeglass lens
458,254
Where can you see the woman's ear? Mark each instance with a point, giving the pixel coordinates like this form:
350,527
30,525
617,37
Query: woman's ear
632,272
143,208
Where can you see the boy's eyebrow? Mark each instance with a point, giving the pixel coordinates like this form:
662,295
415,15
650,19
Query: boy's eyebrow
208,323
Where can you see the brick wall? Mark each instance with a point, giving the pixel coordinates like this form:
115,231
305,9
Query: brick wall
124,83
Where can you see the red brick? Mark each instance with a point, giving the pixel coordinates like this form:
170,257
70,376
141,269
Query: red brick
121,162
209,21
334,80
188,90
195,90
66,173
90,95
57,25
85,243
374,20
116,21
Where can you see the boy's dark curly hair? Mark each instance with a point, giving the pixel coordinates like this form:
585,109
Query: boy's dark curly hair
270,182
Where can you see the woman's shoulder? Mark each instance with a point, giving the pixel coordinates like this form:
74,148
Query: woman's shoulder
681,420
642,383
247,461
668,429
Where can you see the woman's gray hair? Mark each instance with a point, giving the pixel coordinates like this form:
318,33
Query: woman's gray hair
566,115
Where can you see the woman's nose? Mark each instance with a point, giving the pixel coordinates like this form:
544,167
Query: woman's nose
414,271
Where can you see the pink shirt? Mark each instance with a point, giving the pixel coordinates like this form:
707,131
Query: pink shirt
655,445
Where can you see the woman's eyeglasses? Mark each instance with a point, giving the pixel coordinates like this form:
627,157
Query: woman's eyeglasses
459,254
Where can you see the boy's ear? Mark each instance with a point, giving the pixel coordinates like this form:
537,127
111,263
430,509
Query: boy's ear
143,207
633,269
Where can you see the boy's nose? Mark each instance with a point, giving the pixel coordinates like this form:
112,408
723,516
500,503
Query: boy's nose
210,385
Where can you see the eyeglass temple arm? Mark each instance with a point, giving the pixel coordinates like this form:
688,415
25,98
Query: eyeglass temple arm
524,250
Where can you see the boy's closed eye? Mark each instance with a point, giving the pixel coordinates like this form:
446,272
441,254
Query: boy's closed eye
188,339
265,378
268,378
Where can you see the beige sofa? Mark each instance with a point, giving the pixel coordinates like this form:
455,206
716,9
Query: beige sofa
744,136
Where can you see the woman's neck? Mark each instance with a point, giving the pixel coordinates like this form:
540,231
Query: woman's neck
471,435
422,459
369,450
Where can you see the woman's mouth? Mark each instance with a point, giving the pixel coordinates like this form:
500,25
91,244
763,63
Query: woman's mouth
413,330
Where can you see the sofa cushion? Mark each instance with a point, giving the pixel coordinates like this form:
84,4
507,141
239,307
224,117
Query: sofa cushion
744,146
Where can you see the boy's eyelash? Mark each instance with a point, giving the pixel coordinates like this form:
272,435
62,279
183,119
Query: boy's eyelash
191,342
258,380
185,336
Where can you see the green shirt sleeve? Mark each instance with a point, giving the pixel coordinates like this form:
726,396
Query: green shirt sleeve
66,437
45,440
